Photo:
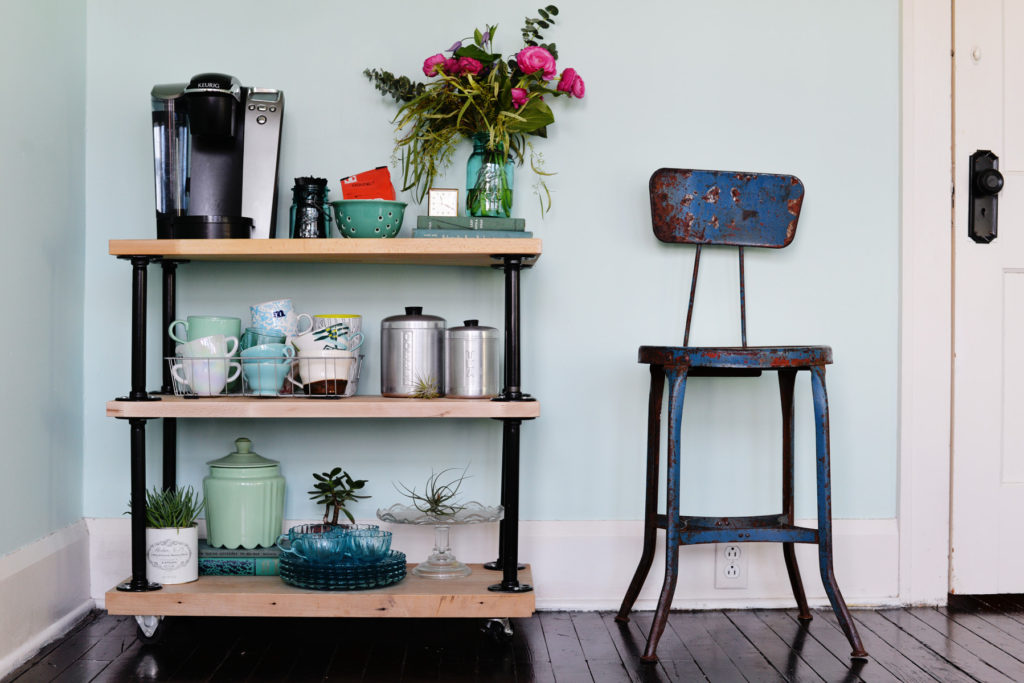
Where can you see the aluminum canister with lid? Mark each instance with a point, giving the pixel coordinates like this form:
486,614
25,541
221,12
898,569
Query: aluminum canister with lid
411,354
472,361
244,499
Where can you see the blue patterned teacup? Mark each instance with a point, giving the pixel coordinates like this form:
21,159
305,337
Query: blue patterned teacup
279,315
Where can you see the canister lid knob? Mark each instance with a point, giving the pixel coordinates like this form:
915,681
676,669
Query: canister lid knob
243,457
414,310
471,323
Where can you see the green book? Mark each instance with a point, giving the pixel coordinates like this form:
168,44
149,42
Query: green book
469,223
470,233
239,566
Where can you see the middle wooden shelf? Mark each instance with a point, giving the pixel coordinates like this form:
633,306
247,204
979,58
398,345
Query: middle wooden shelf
353,407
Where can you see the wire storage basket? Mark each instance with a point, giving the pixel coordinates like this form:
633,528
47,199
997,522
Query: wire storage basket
268,377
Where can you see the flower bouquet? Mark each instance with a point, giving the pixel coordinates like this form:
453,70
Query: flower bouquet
477,94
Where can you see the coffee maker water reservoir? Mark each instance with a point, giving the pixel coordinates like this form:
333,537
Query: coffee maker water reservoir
216,147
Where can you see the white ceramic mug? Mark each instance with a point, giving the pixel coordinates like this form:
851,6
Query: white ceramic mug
279,315
326,339
215,345
206,376
326,365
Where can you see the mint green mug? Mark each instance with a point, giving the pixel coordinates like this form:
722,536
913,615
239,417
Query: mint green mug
198,326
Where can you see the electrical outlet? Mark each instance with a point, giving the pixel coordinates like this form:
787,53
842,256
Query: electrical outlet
730,566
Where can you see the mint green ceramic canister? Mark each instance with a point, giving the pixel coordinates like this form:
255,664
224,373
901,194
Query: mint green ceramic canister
244,499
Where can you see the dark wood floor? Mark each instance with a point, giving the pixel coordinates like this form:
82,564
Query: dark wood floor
974,639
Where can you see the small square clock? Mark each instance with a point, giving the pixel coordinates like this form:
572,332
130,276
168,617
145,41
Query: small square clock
442,201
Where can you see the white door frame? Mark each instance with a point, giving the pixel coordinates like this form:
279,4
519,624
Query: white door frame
926,318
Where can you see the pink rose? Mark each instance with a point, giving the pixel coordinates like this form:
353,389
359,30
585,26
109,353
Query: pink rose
572,83
468,65
532,59
451,66
518,97
430,64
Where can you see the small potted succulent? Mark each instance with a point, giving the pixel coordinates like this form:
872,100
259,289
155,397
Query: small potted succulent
172,536
334,490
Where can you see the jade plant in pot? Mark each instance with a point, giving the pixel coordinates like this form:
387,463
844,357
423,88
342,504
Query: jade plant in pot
172,537
334,490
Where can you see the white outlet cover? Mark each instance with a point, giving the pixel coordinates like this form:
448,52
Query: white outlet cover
730,566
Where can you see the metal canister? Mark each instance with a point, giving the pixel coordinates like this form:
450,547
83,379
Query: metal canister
412,354
472,361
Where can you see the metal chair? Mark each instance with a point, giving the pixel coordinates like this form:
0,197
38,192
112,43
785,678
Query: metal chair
741,210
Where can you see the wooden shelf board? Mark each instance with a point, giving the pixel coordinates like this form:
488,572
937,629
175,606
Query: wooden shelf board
269,596
354,407
437,252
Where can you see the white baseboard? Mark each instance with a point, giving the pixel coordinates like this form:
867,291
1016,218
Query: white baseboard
44,590
588,565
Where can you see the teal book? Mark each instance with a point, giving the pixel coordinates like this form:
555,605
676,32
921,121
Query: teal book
470,233
238,566
207,550
469,223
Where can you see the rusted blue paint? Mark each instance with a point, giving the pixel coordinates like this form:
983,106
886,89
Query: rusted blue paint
725,207
737,209
754,357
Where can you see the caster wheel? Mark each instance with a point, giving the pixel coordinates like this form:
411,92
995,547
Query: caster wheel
499,630
150,629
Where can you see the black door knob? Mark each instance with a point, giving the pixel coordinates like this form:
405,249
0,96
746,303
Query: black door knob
988,181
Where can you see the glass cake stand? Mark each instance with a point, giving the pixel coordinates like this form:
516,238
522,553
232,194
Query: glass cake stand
441,564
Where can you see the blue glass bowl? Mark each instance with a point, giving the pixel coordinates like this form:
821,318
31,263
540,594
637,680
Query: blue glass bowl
316,543
367,546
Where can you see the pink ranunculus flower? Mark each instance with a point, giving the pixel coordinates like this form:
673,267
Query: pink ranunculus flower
430,64
519,97
468,65
532,59
572,83
451,67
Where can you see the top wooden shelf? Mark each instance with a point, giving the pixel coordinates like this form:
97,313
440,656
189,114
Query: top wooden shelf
431,252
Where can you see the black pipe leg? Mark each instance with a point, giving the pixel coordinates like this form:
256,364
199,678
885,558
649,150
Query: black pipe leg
138,582
138,391
651,498
510,541
828,577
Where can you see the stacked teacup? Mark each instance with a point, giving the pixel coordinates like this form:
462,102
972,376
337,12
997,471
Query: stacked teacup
327,359
205,364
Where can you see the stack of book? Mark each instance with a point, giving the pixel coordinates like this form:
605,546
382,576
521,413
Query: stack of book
237,561
470,226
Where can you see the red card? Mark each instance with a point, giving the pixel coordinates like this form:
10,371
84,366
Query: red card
375,184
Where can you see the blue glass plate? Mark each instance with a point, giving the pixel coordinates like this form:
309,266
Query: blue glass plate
342,577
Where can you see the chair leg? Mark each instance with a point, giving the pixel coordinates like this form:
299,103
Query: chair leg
677,389
786,381
651,499
828,576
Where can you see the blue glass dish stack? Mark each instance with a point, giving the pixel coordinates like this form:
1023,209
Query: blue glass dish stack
339,557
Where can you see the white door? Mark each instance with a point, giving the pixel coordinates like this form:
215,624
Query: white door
987,535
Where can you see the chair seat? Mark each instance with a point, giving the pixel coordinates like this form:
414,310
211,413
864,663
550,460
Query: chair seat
738,357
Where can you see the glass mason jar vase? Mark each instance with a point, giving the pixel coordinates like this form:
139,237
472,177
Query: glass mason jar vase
489,175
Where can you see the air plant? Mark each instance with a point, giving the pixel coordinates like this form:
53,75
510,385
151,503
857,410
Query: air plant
437,499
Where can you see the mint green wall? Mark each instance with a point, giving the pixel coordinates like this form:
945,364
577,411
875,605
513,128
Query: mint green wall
42,74
802,87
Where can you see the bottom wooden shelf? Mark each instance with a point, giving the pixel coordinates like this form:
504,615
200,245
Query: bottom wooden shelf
269,596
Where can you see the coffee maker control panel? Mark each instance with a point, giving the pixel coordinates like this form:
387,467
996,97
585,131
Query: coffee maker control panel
264,112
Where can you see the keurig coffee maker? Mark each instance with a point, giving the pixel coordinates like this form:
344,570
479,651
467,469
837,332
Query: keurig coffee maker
216,147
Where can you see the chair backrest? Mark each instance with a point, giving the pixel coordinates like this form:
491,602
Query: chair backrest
725,208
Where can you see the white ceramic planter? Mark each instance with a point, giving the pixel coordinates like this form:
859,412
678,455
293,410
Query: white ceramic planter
172,555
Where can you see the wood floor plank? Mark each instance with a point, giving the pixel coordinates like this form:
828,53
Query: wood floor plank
931,639
82,671
567,659
783,644
629,642
998,629
528,643
709,656
751,663
970,641
59,658
881,631
128,667
825,629
673,654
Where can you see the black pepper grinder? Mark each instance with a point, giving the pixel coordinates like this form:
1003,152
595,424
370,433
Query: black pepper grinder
310,214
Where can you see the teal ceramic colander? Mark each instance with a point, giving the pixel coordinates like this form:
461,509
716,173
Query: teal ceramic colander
368,217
